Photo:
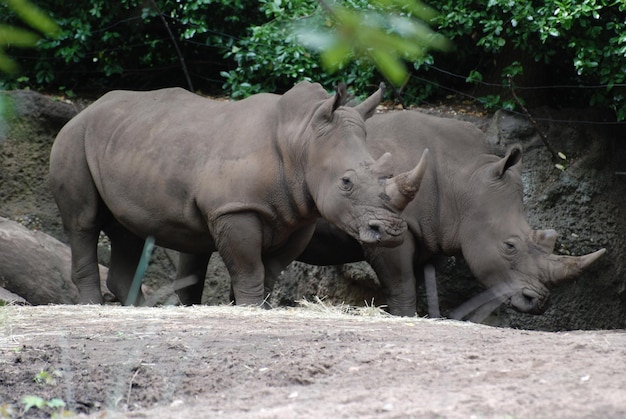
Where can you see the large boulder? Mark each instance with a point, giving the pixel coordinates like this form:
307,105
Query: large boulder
36,267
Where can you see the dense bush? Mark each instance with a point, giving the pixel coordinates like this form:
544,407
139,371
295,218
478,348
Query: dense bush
557,42
246,46
126,43
560,52
271,59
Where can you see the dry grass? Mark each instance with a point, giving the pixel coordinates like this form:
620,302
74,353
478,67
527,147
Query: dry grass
28,322
320,306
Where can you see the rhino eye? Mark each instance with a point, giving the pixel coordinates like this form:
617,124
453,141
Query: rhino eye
346,183
510,247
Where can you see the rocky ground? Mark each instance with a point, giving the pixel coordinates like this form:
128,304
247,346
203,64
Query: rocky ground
109,362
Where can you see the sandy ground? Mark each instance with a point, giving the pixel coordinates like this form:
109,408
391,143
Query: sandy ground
197,362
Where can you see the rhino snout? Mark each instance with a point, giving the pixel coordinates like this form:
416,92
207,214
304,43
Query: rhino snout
530,301
380,233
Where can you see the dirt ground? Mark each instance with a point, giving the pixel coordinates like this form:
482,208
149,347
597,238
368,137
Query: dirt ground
207,361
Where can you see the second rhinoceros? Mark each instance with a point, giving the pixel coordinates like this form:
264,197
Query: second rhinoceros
469,204
246,178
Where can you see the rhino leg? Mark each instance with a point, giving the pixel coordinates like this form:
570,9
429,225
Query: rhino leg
85,270
126,250
395,270
194,266
279,259
432,296
239,240
82,216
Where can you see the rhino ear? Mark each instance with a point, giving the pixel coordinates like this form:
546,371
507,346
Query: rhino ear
330,105
341,97
368,106
512,159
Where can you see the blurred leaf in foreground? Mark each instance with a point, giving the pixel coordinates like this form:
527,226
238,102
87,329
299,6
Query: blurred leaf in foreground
11,36
388,32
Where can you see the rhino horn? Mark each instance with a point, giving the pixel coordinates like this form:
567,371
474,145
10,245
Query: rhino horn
368,106
383,164
402,188
564,268
545,239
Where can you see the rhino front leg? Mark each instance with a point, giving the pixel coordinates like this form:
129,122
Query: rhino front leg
239,240
394,268
278,260
192,266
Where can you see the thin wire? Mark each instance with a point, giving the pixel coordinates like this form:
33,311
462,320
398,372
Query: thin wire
561,86
476,99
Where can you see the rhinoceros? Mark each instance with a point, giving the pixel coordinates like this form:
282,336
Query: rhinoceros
469,204
247,178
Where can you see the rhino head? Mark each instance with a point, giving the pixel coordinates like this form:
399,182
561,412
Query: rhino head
349,188
503,252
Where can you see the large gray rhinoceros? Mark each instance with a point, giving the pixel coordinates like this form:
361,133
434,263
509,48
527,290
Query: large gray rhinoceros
469,204
248,179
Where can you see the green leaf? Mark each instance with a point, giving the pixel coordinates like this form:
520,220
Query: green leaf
34,16
390,66
33,401
474,77
416,8
16,37
6,64
55,403
334,57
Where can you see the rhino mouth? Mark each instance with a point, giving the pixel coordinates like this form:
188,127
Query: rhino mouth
529,301
522,300
379,233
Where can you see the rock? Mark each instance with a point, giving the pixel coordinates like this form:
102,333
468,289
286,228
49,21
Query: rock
507,128
36,266
27,103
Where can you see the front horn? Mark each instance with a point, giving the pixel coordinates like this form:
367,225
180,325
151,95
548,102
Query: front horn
402,188
564,268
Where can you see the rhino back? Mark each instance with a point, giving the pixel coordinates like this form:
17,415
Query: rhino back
455,147
406,134
170,159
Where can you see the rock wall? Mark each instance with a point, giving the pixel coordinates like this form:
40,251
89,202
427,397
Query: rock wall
584,203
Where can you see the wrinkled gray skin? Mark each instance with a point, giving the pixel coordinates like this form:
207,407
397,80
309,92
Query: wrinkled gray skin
246,178
469,204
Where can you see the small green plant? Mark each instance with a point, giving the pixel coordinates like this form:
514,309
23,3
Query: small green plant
55,404
47,378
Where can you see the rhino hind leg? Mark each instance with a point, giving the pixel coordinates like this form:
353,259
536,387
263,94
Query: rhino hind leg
85,270
82,213
194,267
126,250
